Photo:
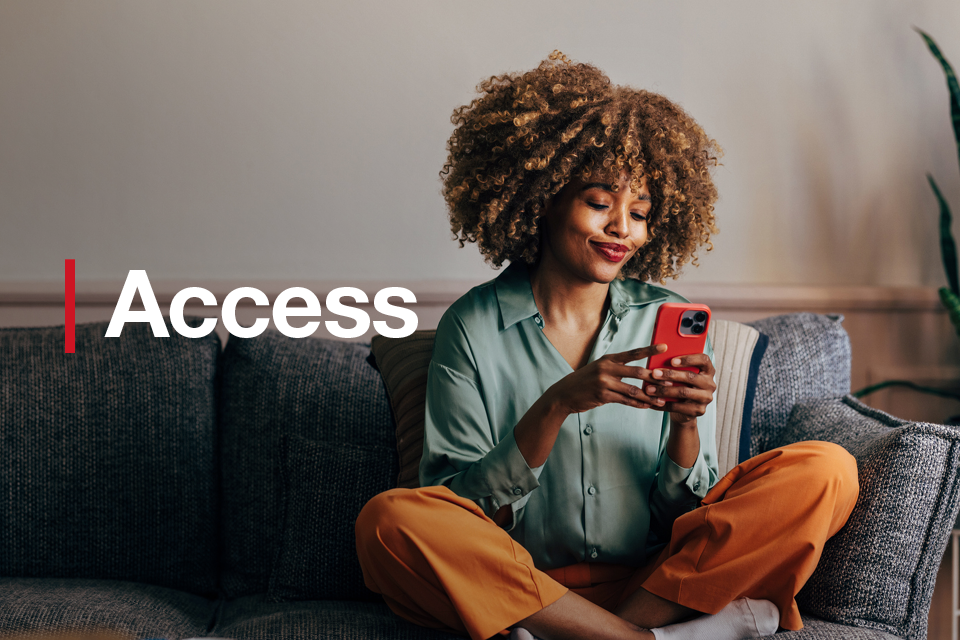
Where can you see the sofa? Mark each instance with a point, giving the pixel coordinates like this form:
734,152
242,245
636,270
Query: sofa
173,488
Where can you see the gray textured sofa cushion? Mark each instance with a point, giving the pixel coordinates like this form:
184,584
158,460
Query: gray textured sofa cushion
817,629
808,356
141,610
320,389
320,480
880,568
252,618
108,456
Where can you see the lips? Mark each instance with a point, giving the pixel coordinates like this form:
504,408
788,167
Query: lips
610,250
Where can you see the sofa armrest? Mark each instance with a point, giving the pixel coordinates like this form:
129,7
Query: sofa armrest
879,570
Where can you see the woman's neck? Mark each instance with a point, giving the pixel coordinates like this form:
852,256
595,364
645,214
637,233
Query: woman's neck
566,301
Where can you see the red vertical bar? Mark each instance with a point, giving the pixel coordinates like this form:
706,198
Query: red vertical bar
69,304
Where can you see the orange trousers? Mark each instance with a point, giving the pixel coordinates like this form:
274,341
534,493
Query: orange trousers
440,562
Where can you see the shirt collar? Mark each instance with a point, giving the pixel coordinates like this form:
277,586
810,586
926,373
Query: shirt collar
515,296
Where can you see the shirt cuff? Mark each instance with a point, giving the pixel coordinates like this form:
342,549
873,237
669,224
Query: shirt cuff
506,473
516,508
679,484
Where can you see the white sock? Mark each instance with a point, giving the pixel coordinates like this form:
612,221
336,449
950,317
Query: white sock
519,633
743,618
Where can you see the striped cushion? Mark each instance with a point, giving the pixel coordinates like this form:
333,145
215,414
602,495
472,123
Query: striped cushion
737,350
403,363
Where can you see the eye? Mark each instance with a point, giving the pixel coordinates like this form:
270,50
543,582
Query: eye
638,215
599,206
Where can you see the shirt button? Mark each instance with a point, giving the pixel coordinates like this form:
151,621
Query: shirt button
696,486
539,320
517,491
592,490
593,553
588,429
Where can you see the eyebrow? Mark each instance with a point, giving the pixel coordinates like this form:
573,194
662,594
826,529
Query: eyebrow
606,187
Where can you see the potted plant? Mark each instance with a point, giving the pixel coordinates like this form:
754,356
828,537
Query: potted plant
948,248
950,295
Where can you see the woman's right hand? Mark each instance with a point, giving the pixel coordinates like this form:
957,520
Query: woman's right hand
590,386
601,382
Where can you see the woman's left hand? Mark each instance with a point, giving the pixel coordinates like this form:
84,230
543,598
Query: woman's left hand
691,400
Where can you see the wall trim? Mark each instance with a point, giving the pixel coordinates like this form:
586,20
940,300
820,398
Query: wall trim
746,297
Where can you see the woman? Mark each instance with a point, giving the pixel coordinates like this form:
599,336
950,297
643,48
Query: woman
562,495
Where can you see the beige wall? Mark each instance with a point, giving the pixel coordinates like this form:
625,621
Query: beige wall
299,141
232,139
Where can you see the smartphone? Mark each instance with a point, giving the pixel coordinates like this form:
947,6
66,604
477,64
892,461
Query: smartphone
682,326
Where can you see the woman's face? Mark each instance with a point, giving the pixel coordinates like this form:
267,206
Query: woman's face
592,231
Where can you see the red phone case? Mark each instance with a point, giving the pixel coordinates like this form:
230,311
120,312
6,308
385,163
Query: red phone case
666,330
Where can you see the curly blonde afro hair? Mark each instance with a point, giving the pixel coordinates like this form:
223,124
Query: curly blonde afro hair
528,135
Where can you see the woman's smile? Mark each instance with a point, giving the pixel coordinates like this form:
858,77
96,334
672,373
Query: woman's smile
611,251
593,229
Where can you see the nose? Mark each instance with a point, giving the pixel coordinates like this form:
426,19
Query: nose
619,224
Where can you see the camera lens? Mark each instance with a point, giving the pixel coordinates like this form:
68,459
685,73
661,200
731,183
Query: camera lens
700,316
686,322
697,329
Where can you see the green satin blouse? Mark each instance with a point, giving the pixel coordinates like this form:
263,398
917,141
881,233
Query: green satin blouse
608,491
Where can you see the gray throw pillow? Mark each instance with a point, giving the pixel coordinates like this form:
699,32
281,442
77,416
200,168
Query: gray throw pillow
324,487
879,570
108,462
323,390
807,357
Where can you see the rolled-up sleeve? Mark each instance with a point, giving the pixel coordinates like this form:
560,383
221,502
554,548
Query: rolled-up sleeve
461,450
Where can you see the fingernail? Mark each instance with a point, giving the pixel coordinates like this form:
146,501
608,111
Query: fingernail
657,373
676,361
651,391
660,401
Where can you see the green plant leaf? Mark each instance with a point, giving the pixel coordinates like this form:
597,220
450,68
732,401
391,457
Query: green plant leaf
952,303
948,248
952,85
